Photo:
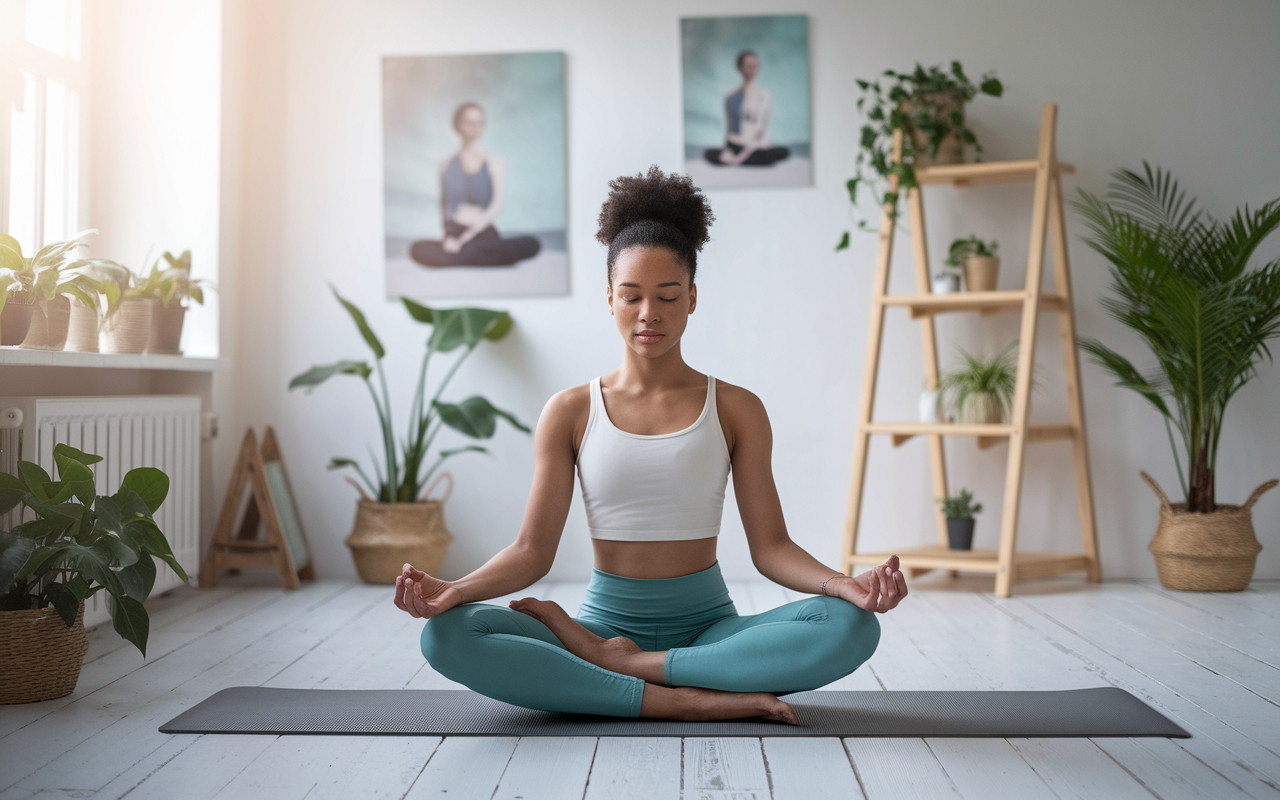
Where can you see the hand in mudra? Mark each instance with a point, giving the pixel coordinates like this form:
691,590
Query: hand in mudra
422,595
878,589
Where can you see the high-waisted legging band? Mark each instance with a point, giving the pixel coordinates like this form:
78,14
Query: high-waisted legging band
512,657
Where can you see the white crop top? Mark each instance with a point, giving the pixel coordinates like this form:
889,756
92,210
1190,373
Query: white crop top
665,487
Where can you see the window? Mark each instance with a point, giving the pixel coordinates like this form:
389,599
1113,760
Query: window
42,84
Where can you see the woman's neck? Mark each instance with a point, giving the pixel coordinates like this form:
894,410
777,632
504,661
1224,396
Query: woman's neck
665,371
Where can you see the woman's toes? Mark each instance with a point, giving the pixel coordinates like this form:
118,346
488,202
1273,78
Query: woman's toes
782,712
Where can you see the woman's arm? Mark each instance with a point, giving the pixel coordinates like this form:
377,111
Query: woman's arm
498,177
529,558
772,551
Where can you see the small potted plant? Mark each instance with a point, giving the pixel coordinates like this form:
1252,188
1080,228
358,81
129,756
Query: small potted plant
79,543
126,324
928,107
981,391
173,288
979,261
395,522
946,281
959,511
54,281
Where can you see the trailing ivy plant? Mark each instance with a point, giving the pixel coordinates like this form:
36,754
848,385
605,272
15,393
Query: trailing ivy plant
909,102
399,472
82,542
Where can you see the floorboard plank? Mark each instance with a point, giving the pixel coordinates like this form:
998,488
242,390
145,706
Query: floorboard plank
199,771
464,768
1075,769
547,768
1253,634
810,769
338,767
1168,771
635,769
979,766
720,769
899,769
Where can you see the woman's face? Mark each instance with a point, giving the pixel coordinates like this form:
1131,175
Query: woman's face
471,124
651,299
750,66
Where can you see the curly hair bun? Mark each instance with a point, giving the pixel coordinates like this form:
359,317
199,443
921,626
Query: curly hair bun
655,210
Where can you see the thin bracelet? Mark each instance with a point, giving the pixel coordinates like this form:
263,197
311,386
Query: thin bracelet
828,580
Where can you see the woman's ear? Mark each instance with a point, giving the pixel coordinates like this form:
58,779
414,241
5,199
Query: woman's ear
609,297
693,297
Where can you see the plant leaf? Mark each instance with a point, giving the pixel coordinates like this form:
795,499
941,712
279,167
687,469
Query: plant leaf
12,490
356,314
458,327
129,618
150,484
139,578
36,478
64,601
15,550
843,244
318,375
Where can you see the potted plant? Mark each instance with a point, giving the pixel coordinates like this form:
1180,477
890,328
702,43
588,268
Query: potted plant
78,544
1182,280
48,282
959,511
394,521
173,288
928,107
979,261
126,323
981,391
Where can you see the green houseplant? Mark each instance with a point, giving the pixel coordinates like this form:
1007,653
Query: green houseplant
175,289
1182,280
979,261
927,106
959,511
42,286
79,544
981,390
393,516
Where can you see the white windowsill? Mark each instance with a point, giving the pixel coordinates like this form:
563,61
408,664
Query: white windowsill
62,358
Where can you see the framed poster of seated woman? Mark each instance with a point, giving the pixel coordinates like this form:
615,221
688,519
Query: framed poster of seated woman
474,188
746,100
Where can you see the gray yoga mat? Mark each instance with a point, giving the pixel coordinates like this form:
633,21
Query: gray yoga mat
1078,712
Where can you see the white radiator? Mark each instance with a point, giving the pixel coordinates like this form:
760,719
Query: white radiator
160,431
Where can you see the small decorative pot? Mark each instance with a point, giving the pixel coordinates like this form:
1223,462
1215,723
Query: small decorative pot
939,104
82,328
15,319
983,409
127,327
166,329
960,533
386,536
981,272
1214,552
946,283
40,657
930,401
48,329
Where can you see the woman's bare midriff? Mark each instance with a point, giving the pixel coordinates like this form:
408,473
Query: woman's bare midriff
654,559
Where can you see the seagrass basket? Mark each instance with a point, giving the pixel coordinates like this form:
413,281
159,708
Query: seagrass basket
1214,552
386,536
40,657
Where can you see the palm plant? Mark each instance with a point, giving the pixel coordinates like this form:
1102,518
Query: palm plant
1181,279
983,384
400,478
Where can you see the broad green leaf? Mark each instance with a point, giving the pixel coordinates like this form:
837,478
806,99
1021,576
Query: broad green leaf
151,484
458,327
471,448
109,515
13,244
123,554
48,509
992,86
14,552
475,417
318,375
419,312
12,490
139,578
370,338
62,452
94,564
64,601
35,477
43,559
43,531
129,618
132,507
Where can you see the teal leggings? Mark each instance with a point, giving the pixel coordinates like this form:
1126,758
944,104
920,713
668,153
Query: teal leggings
512,657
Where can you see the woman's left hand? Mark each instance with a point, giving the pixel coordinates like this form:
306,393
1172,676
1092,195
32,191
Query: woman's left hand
878,589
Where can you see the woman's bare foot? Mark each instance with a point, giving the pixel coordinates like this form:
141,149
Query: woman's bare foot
691,703
619,654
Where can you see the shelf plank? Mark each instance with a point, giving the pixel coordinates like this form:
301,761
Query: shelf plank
1026,564
61,358
984,172
988,435
997,302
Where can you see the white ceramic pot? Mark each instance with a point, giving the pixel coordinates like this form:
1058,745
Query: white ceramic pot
930,406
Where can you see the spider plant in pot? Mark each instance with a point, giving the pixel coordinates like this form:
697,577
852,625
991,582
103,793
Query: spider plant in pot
925,106
979,261
126,324
1182,280
395,522
959,511
981,390
174,289
41,287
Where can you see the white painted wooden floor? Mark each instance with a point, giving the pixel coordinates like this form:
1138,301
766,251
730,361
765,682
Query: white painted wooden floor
1211,662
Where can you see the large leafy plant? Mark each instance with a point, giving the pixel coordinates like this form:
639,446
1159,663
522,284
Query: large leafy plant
1181,279
915,103
82,543
399,471
55,270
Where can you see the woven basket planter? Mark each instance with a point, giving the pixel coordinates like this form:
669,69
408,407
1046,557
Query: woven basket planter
386,536
15,319
48,329
951,149
1213,552
40,657
981,273
127,327
82,329
166,330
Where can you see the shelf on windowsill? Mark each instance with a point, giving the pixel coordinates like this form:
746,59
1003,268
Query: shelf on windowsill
62,358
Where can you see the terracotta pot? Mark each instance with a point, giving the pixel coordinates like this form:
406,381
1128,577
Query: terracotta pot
166,330
981,273
386,536
983,409
15,320
126,328
1214,552
48,329
939,104
82,328
40,657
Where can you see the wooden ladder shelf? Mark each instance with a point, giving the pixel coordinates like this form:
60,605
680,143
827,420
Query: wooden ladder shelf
1006,563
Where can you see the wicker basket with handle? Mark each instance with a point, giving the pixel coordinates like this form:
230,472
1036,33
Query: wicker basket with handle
40,657
388,535
1214,552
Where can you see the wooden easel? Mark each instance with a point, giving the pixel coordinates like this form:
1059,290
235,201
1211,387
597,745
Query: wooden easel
284,551
1007,563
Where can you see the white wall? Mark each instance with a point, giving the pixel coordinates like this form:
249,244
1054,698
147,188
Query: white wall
1187,85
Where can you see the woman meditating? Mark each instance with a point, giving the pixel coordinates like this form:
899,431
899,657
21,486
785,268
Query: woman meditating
746,122
653,443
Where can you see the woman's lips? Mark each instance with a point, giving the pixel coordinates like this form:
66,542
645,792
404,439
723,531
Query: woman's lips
649,337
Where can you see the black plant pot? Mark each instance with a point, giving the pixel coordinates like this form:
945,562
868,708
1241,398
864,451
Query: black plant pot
960,533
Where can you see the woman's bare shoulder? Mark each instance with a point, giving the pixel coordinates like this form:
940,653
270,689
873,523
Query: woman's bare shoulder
736,399
565,414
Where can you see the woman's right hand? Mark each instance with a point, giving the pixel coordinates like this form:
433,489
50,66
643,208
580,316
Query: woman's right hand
421,595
